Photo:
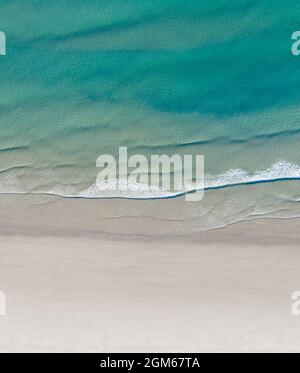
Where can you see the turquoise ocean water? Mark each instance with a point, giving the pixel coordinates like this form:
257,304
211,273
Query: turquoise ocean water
81,78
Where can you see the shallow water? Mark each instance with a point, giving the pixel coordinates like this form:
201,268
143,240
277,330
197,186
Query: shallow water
215,78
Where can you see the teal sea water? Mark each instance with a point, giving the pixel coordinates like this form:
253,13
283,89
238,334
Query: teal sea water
81,78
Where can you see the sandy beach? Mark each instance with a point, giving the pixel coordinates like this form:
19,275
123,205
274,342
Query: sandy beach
149,176
228,289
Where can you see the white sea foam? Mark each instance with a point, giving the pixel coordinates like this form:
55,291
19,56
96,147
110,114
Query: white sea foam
122,188
281,170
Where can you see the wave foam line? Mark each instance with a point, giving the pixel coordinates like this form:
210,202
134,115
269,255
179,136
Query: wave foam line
280,171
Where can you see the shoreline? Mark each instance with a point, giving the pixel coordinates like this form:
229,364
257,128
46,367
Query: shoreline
219,211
